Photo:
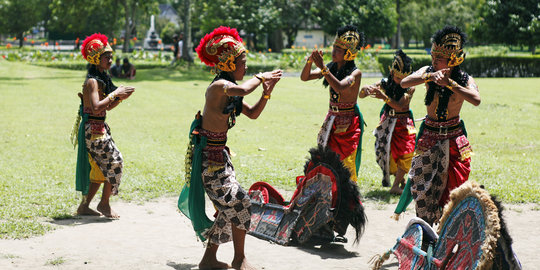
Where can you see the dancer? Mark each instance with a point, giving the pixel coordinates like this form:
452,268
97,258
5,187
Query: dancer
343,127
443,154
208,164
98,159
395,136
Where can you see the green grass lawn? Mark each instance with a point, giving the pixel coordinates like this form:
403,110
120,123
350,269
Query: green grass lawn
37,162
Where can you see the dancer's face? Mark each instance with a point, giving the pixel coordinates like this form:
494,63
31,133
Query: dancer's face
105,60
241,67
337,54
439,62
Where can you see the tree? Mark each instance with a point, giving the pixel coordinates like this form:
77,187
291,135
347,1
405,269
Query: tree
134,10
376,18
186,48
252,18
19,16
510,22
72,19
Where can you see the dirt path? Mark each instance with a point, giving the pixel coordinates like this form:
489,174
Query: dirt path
155,235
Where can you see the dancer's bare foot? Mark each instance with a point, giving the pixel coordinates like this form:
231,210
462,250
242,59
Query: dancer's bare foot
396,190
84,210
106,210
242,265
203,265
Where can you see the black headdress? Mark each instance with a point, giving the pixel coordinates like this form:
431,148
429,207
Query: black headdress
103,79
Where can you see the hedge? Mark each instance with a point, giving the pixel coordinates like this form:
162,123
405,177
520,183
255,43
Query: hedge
82,65
480,66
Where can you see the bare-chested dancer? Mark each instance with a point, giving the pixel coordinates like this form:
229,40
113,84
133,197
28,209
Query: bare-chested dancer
443,153
208,165
98,159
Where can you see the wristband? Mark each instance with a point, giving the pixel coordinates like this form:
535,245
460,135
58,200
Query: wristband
324,71
266,96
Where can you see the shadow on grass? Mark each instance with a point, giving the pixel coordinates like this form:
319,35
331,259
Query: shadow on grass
380,195
327,251
182,266
79,220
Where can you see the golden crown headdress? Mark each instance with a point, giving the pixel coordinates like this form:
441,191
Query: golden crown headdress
450,48
397,68
348,41
220,48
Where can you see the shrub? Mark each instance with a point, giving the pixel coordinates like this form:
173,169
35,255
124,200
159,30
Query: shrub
479,65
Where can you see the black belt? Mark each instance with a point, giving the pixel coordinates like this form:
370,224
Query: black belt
216,142
96,118
392,112
337,109
443,130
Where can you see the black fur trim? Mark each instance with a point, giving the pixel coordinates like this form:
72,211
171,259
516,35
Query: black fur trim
349,208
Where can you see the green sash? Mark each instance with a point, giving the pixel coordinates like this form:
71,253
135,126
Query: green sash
82,173
359,148
192,201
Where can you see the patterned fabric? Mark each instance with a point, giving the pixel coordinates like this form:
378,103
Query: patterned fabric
105,153
342,132
383,138
442,163
394,143
232,202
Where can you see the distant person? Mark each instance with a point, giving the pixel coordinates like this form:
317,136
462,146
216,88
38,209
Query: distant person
175,49
98,159
116,69
442,160
180,46
128,70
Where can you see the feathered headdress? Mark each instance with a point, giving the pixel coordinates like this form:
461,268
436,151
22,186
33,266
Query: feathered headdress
94,46
220,48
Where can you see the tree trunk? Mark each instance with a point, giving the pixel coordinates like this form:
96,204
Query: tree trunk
20,36
275,41
186,48
398,33
127,33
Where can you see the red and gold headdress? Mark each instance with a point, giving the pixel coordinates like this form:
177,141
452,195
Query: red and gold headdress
449,48
220,48
94,46
348,41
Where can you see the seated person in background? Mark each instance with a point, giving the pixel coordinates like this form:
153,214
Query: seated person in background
128,70
116,69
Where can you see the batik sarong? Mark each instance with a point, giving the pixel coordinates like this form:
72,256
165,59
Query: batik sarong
394,143
211,169
104,152
98,158
342,132
442,163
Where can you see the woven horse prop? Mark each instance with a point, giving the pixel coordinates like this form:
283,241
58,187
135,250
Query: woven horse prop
472,235
325,201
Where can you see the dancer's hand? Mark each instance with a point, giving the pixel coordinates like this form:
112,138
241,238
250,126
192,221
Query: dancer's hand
269,75
123,92
379,93
441,77
317,57
370,89
268,85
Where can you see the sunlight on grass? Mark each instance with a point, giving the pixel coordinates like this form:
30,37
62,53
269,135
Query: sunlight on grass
37,162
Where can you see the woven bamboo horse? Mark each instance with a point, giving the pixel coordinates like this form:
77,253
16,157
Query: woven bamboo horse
325,201
472,235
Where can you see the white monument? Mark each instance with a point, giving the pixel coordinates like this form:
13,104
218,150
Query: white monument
152,40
